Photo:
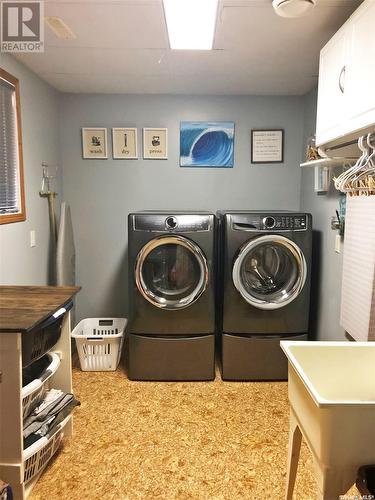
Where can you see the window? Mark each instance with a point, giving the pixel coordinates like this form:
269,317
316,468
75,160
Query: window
12,197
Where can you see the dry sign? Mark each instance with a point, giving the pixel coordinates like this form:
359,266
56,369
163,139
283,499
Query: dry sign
124,143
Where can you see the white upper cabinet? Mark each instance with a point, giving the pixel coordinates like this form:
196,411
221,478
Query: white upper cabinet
346,93
360,86
331,90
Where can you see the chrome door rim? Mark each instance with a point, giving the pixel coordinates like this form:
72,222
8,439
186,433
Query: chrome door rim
161,302
297,287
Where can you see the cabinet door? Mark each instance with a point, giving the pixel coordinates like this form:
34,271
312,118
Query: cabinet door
331,91
360,78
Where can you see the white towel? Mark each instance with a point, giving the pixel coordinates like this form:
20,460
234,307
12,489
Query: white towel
358,280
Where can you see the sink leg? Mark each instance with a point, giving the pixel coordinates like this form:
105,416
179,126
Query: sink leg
333,482
329,485
295,438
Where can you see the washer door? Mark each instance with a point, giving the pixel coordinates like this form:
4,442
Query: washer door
269,271
171,272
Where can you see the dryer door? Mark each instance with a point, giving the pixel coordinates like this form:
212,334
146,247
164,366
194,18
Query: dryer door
270,271
171,272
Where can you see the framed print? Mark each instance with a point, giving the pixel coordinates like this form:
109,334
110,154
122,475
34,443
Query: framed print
267,146
207,144
94,143
124,144
155,143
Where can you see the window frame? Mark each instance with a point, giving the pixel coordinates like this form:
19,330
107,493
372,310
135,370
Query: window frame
20,216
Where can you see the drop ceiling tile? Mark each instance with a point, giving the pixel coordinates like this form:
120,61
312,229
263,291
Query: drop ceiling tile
243,85
258,28
113,85
97,61
204,63
110,24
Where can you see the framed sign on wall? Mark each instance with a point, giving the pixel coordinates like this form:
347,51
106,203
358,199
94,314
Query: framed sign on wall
124,143
94,143
155,143
267,146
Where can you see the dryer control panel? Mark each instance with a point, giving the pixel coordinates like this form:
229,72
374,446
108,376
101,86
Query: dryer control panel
269,221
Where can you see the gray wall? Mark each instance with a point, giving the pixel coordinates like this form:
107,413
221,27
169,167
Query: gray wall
103,192
20,264
326,290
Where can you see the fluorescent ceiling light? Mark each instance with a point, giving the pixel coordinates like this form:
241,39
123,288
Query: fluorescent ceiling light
191,23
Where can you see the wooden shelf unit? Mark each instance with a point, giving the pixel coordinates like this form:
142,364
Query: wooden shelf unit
11,422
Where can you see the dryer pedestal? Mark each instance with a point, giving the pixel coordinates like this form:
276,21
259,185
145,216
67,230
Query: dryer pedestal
251,357
171,358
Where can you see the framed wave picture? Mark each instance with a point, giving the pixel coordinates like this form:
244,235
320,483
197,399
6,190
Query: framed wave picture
207,144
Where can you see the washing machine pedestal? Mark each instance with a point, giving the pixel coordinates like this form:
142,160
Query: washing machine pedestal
171,358
255,357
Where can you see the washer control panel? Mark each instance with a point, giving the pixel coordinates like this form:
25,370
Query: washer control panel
288,222
181,223
269,222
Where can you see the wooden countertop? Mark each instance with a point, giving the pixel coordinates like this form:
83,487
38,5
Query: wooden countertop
23,307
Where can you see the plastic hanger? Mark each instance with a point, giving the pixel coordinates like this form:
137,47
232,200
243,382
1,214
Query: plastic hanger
352,179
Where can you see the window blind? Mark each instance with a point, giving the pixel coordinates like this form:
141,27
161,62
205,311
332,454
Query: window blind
10,202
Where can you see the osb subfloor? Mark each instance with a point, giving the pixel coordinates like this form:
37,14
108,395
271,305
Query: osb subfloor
147,440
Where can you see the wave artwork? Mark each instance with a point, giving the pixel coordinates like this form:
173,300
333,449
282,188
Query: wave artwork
207,144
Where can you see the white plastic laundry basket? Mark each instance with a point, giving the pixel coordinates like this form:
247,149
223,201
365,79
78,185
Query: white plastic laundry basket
34,392
99,343
37,455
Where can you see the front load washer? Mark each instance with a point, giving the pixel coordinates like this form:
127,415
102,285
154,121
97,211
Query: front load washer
171,332
265,267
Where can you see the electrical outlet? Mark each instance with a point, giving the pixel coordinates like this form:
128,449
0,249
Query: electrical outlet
32,238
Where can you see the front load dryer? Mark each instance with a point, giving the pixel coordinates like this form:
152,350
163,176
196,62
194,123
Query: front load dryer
171,332
264,273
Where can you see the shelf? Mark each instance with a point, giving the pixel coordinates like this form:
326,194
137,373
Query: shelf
329,162
12,454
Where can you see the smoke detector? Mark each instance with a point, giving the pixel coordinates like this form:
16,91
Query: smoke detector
292,8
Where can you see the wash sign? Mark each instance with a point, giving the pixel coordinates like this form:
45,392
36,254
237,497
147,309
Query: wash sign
22,28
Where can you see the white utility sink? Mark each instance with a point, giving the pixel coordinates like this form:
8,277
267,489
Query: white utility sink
331,389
